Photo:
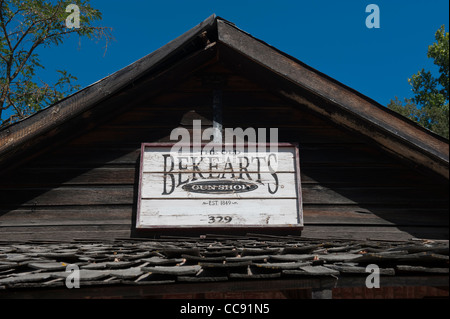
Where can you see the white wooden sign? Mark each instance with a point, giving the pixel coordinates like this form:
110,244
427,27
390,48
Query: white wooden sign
231,188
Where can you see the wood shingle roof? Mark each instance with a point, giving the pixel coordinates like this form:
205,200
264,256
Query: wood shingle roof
166,262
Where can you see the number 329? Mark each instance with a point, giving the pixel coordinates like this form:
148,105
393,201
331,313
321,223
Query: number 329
219,219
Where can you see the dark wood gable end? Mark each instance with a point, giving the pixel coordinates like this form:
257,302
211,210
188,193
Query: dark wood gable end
371,180
71,170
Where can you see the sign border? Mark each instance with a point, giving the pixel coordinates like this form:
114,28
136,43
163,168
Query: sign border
253,227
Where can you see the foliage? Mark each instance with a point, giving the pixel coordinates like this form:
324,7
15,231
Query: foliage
429,106
26,25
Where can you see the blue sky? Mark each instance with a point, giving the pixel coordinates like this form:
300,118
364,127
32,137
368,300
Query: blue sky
330,36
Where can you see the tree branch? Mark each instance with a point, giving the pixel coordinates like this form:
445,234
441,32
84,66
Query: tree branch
4,29
19,112
33,24
23,36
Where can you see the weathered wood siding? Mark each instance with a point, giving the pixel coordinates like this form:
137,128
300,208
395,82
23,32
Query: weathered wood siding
87,188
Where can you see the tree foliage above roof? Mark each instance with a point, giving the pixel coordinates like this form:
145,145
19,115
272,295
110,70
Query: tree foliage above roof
429,106
26,25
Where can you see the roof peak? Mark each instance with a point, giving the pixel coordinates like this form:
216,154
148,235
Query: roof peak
242,52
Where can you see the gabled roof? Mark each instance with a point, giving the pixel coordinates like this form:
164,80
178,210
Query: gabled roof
216,38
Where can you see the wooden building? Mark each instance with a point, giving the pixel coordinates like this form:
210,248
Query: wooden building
70,173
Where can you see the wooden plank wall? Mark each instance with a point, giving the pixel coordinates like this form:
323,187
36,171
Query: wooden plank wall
87,188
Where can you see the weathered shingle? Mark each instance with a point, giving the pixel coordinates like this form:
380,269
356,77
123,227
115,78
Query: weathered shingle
173,270
197,260
312,271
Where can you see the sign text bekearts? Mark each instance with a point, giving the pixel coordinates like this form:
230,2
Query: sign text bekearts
234,187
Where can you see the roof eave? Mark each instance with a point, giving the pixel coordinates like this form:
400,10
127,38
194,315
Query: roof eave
350,109
396,134
20,133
